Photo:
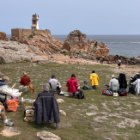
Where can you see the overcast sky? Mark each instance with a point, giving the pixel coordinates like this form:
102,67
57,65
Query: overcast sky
93,17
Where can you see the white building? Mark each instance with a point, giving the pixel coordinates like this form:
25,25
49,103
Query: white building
35,22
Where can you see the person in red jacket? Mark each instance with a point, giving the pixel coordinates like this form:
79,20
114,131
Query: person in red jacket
25,80
72,85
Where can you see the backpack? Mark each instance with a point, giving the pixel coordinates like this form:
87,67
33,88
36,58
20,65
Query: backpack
32,88
29,114
122,92
107,92
80,94
3,99
12,105
86,86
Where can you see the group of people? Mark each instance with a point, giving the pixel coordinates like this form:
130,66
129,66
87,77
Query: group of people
115,84
72,85
120,84
5,89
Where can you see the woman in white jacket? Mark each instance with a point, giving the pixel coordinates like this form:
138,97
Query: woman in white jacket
4,88
137,85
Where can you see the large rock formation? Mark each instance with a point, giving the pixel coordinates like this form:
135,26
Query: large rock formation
11,51
76,42
45,42
3,36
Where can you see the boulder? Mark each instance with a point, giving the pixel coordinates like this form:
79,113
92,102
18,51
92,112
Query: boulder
76,42
3,36
44,135
62,112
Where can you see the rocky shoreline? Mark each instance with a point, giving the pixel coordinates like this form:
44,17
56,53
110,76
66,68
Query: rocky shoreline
46,49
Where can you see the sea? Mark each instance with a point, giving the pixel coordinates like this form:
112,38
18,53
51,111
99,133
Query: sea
123,45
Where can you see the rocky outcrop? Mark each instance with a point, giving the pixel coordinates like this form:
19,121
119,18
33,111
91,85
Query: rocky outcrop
115,58
76,42
3,36
45,42
11,51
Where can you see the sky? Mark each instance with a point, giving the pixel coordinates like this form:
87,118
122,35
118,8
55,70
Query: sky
93,17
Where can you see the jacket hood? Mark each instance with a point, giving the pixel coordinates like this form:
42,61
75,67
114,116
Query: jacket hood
73,78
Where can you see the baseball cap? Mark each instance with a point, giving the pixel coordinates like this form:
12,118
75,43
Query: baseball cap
24,72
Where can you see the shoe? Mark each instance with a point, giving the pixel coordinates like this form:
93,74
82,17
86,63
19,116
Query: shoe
9,123
10,120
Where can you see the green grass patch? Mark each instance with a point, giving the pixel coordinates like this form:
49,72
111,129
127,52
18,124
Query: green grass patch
109,112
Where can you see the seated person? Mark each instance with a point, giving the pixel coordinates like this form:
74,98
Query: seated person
72,85
7,122
122,81
94,79
114,84
4,88
46,107
45,92
25,80
54,80
137,85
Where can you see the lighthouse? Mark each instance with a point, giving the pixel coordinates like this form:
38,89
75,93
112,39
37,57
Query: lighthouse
35,22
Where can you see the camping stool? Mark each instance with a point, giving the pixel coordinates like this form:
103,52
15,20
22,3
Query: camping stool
54,87
46,128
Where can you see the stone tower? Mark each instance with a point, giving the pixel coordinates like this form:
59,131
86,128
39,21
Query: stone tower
35,22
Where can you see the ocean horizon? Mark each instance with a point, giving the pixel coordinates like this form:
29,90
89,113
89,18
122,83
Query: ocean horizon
123,45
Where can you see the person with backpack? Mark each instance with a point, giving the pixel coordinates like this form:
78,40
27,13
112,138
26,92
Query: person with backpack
7,122
94,79
72,85
5,89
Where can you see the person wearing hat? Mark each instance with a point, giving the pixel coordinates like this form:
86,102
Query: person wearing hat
25,80
114,84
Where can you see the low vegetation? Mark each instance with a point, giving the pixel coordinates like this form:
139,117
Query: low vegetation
97,117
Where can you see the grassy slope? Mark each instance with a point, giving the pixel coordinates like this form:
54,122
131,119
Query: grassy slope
77,125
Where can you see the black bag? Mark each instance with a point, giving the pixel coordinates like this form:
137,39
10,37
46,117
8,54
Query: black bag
80,94
3,99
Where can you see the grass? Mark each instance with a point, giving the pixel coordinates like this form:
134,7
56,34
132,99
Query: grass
114,118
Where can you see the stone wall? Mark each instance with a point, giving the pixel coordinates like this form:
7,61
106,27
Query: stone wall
19,33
